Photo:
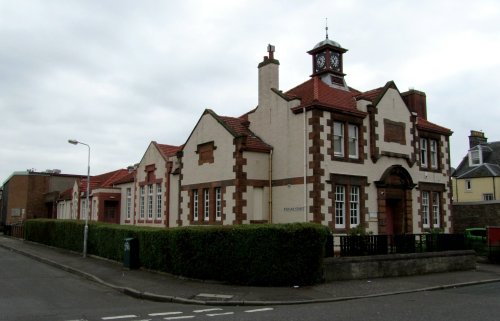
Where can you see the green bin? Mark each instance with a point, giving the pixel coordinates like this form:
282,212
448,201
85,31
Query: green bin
131,253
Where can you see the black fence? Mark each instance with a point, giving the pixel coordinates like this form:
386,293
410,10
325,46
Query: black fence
15,230
360,245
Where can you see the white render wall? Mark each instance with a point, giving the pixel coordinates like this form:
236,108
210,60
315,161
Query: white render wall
123,203
207,130
174,200
284,131
393,108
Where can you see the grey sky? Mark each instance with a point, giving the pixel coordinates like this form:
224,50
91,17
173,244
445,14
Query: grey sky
119,74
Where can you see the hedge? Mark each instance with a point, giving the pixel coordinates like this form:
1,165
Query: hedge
267,254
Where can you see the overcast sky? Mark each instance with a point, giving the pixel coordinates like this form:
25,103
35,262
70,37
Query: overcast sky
120,74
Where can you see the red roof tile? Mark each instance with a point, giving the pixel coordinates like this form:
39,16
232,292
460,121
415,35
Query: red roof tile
168,150
129,178
424,124
239,127
67,194
315,91
103,181
371,95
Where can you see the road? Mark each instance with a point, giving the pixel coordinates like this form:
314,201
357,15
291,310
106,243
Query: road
30,290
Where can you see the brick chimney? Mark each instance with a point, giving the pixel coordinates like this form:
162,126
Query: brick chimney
268,76
416,102
476,138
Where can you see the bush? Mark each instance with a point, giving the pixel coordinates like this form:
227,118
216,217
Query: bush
268,254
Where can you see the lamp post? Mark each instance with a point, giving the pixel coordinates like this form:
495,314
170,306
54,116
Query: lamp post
86,229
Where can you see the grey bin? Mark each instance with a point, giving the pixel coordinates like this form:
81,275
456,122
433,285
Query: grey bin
131,253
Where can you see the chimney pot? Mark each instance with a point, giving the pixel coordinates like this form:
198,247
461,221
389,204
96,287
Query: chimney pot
477,138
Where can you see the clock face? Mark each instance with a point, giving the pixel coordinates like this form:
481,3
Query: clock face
335,61
320,62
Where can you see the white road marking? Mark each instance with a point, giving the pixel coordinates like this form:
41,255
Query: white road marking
217,314
259,310
214,296
120,317
181,317
163,313
207,310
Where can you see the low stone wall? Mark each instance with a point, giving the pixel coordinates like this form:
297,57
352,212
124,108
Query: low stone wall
379,266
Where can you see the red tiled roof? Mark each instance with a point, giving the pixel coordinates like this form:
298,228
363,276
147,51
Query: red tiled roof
67,194
371,95
315,91
103,180
168,150
424,124
239,127
129,178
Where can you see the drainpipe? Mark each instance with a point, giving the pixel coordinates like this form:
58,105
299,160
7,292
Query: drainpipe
305,165
270,186
167,197
494,189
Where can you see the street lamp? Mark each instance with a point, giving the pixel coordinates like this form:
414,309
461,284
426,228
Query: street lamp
86,229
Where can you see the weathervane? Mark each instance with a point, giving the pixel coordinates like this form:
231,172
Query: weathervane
326,27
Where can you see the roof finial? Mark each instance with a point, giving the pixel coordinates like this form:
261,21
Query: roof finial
326,27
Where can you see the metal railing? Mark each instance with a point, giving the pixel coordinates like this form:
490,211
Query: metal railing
14,230
361,245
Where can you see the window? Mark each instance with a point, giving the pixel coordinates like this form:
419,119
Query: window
475,156
218,203
353,141
94,210
195,205
468,185
141,203
128,209
206,204
488,197
83,209
425,209
354,206
431,208
423,152
434,154
340,206
347,203
158,201
150,201
338,139
345,136
429,153
436,209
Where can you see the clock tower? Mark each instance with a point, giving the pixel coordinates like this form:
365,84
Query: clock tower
327,62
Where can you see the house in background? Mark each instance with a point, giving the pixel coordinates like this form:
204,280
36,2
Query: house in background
30,194
104,197
476,184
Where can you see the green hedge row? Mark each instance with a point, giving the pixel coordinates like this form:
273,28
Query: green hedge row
269,254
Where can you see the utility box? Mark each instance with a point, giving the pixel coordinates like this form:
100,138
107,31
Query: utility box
131,253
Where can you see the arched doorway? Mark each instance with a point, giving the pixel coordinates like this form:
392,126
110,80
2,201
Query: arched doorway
395,201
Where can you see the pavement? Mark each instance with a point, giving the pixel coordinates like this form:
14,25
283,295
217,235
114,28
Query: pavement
163,287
